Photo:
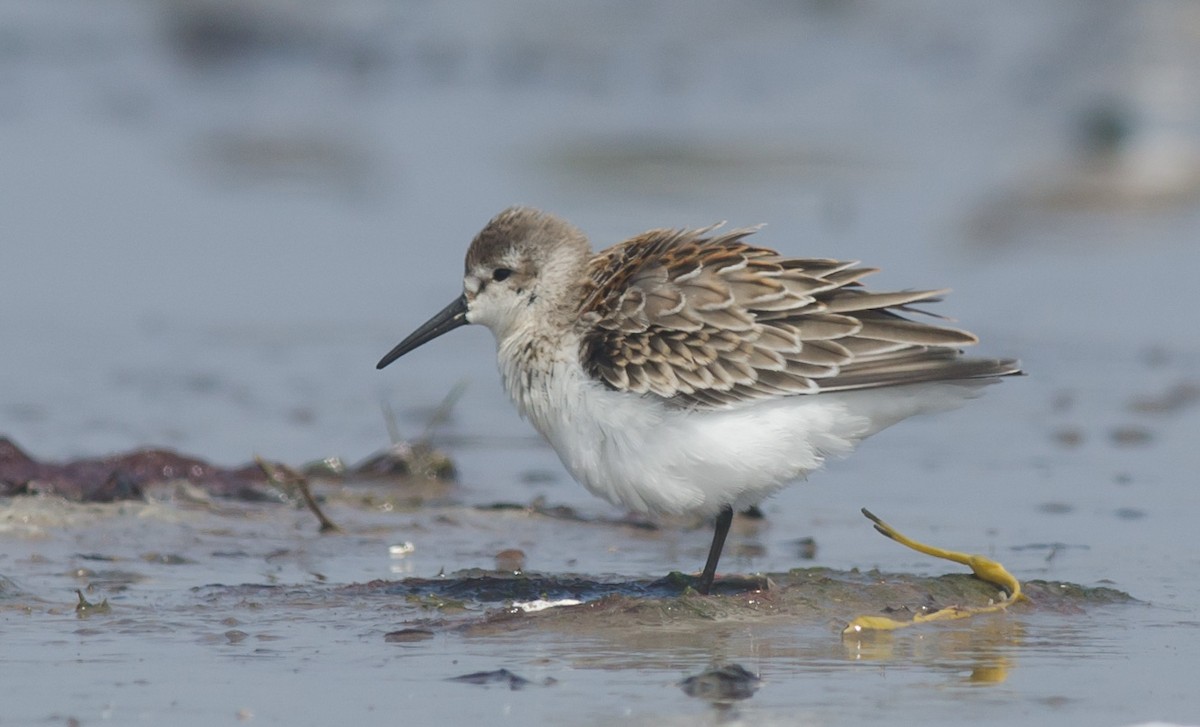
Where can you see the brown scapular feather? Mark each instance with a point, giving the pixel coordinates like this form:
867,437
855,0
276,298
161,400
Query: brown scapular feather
706,320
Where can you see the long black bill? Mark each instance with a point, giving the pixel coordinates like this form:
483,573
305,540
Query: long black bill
451,317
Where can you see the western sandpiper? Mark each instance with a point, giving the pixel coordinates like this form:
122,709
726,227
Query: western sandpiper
688,371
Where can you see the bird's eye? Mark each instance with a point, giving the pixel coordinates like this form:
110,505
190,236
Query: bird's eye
500,274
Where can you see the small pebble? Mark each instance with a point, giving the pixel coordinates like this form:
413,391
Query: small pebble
1068,437
722,684
806,548
1130,436
1055,508
407,636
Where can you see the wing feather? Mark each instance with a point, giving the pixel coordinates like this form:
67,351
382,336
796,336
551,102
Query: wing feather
706,320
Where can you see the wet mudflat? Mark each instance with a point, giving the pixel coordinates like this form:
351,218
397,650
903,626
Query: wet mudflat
219,216
219,609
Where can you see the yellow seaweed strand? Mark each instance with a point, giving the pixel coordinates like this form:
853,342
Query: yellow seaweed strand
984,568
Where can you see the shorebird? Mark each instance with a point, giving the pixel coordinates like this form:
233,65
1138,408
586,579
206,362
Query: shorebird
689,371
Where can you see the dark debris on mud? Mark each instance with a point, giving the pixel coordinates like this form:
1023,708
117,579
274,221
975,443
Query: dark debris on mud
501,677
133,475
121,477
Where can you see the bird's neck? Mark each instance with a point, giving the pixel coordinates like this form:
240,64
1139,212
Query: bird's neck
536,368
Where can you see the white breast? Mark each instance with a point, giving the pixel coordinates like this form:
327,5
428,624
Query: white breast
639,453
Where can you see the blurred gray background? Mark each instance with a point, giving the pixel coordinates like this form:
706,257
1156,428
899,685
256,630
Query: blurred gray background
216,214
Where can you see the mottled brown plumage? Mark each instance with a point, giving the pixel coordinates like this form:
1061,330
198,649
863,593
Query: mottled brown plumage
707,320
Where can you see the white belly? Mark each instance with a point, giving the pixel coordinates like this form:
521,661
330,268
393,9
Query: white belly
638,453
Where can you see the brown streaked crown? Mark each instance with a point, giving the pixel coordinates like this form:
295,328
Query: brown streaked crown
517,225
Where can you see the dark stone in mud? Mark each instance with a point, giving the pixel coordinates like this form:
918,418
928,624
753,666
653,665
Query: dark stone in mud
407,636
123,477
236,636
722,684
500,676
806,548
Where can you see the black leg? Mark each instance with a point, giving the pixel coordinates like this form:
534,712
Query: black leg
724,520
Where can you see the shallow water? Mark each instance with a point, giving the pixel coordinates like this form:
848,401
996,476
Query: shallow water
246,611
217,219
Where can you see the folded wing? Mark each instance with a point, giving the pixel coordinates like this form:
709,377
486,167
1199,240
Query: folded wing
709,321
